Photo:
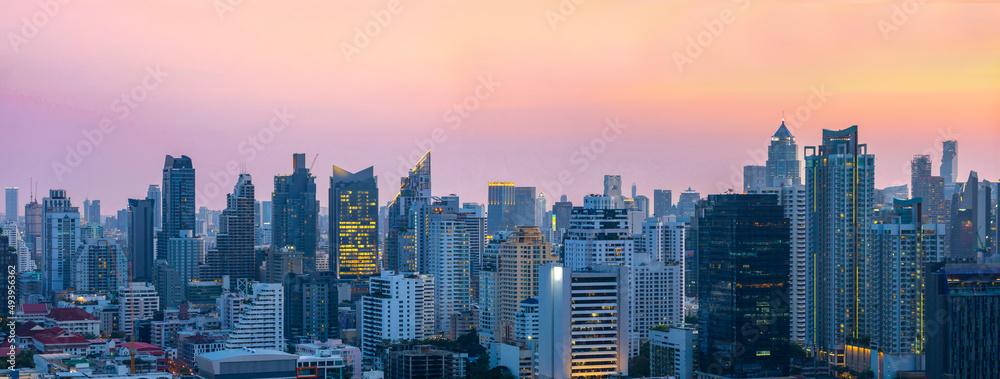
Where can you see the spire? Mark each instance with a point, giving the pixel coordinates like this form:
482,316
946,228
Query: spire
782,132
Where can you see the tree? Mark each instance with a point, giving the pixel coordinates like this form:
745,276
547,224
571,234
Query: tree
347,372
24,359
117,334
90,336
638,366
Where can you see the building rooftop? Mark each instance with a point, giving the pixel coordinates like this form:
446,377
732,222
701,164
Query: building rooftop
70,314
35,309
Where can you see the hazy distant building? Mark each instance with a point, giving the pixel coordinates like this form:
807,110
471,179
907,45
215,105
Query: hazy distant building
662,202
178,200
354,223
141,215
613,189
500,207
10,197
971,216
929,188
60,238
525,206
294,211
33,218
686,202
949,162
153,193
783,162
754,177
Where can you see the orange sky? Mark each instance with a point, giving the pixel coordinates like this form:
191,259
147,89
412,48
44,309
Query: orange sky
934,75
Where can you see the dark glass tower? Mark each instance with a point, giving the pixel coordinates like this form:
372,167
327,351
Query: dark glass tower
962,303
663,201
141,217
782,158
743,264
949,162
525,206
234,255
295,211
400,242
178,200
353,223
500,207
311,307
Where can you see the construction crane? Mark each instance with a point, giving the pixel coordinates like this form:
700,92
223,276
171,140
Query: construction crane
313,162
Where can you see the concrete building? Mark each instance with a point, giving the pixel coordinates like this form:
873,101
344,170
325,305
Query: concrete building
961,319
141,221
448,263
519,257
100,267
248,363
672,351
25,261
754,177
10,197
311,307
613,189
261,321
656,296
425,362
500,207
60,239
598,234
663,202
398,307
234,253
137,301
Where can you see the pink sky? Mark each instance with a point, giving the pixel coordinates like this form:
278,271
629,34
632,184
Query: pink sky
935,75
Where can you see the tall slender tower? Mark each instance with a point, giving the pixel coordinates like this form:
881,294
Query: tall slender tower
354,223
10,196
613,189
949,162
783,159
153,193
400,243
60,238
295,210
178,200
140,239
235,242
500,207
840,196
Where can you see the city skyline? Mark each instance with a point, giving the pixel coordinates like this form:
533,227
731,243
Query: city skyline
542,87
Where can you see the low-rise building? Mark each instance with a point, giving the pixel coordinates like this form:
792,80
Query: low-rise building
424,361
57,340
247,363
74,320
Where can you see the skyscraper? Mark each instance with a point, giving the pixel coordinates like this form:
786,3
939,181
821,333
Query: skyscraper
743,285
261,321
234,254
99,267
8,262
398,307
311,307
662,202
178,200
613,189
782,159
598,234
354,222
10,196
400,242
140,238
60,238
33,218
962,300
971,218
473,215
525,206
686,202
754,177
656,296
500,207
94,214
153,193
520,255
294,211
448,261
840,196
929,188
949,162
541,206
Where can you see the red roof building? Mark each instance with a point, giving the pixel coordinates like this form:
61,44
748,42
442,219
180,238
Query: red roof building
57,340
74,320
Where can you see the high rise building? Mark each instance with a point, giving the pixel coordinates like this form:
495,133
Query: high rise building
902,247
583,330
234,253
168,284
100,267
294,211
60,238
929,188
754,177
354,222
311,307
10,196
686,203
473,215
153,193
662,202
792,198
33,219
783,164
664,239
136,301
448,263
25,263
672,351
613,189
500,207
840,196
562,212
526,323
598,234
185,253
641,204
178,200
141,214
525,207
8,262
743,283
949,162
94,213
541,206
265,213
519,256
962,302
400,241
398,307
970,219
261,321
656,296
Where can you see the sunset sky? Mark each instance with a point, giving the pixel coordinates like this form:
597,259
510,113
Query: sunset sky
910,75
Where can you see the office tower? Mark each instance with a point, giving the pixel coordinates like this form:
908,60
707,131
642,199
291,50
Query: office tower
743,280
256,215
686,203
398,307
541,206
60,238
400,241
520,255
141,214
583,329
598,234
234,253
970,220
656,296
662,202
500,207
261,321
672,351
840,190
613,189
86,211
473,215
448,263
100,267
754,177
178,200
10,196
487,301
929,188
562,212
783,163
525,206
280,262
186,252
792,198
136,301
168,284
663,238
25,263
8,262
311,307
354,222
94,213
265,212
902,245
153,193
294,211
641,204
33,216
961,321
949,162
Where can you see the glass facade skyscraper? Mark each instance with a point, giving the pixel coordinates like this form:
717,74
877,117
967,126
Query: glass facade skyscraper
140,238
354,223
294,211
500,207
178,200
743,263
400,243
783,159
